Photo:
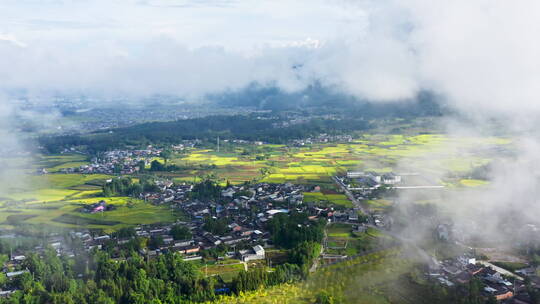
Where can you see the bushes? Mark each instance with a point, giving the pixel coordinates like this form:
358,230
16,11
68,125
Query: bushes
290,230
259,277
165,279
304,253
206,190
180,232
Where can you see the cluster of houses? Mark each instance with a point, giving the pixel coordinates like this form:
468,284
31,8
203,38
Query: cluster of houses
168,192
322,138
117,161
252,242
244,142
100,206
356,180
503,285
246,209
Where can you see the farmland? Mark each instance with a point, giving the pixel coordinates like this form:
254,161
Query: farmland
321,198
54,163
430,154
55,198
367,279
342,240
226,269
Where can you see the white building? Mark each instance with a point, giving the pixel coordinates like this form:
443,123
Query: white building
259,254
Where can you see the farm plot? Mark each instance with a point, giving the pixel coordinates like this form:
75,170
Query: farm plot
322,199
227,269
363,280
428,154
68,213
342,240
56,162
56,200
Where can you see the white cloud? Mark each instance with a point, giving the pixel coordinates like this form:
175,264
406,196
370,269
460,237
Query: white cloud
479,54
11,39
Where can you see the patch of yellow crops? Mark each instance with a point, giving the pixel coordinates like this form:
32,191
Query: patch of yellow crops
473,182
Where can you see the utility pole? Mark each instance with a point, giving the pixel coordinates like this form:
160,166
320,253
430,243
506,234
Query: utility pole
218,144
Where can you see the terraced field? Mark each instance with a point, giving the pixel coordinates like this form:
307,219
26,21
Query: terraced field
57,199
54,163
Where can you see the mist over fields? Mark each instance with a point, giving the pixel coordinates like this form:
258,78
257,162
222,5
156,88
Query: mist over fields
471,69
477,58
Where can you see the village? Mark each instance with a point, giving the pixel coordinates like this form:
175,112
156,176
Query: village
503,285
240,215
117,161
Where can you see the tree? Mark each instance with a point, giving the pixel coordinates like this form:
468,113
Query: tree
141,165
216,226
156,165
290,230
166,155
491,300
304,253
208,189
155,242
180,232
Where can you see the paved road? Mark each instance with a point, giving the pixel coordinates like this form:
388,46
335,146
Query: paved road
418,187
421,252
349,194
403,187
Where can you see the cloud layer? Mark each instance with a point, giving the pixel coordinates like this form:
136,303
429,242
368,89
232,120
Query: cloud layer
478,54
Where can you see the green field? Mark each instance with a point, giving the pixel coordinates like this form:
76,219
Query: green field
432,155
378,204
54,199
341,240
368,279
322,199
472,182
226,269
54,163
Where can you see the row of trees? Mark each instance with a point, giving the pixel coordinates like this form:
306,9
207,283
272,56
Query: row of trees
206,129
96,278
157,166
302,237
208,189
126,187
216,226
260,278
300,258
288,231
